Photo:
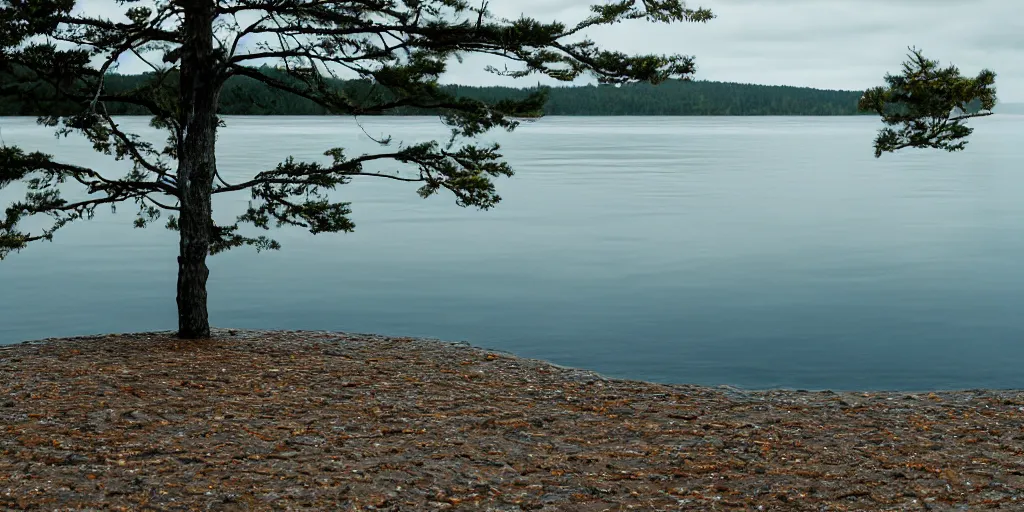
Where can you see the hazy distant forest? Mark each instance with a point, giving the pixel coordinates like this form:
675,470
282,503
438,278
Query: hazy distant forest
245,96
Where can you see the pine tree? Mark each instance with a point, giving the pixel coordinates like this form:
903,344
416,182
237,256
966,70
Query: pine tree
56,58
929,104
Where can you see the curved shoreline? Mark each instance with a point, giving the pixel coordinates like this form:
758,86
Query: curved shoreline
319,420
731,390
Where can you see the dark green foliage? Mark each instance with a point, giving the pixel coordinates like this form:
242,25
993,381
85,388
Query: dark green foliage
927,106
698,98
671,98
245,96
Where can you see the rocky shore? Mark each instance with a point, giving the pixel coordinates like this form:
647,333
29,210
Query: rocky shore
253,420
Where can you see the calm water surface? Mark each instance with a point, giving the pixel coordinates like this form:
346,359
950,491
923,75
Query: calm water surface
758,252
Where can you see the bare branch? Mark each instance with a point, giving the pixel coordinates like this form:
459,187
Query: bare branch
159,204
133,147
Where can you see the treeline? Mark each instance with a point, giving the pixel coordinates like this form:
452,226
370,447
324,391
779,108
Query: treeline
697,98
246,96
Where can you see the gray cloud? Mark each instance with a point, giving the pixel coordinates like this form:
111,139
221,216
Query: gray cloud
832,44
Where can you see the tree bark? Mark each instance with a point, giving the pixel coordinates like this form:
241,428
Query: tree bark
196,166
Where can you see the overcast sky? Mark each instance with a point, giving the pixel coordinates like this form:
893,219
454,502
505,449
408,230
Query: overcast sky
832,44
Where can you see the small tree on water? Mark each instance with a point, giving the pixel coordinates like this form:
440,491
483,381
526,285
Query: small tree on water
57,55
58,59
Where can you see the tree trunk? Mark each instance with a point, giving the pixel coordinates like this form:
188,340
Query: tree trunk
196,166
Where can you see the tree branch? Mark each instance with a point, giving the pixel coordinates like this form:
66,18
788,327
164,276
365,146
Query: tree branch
308,181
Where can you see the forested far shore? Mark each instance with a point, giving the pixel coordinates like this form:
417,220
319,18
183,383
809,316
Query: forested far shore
246,96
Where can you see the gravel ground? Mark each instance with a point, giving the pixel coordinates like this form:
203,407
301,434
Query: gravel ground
256,420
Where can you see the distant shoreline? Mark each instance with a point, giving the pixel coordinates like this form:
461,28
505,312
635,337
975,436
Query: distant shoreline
525,119
1013,113
246,96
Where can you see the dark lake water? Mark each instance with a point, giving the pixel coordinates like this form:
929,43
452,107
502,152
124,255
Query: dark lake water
757,252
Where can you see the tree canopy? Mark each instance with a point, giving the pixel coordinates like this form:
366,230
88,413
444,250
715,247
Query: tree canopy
59,54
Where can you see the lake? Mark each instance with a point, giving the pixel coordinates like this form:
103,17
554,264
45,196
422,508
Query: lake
755,252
